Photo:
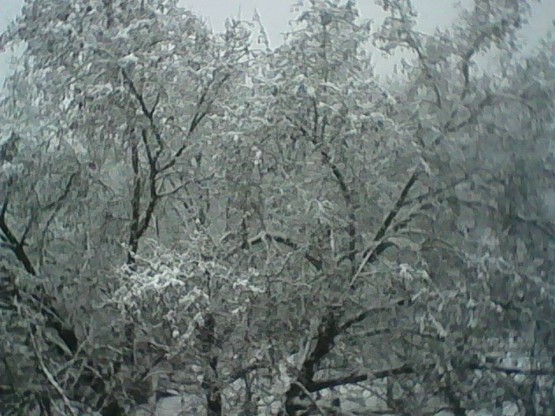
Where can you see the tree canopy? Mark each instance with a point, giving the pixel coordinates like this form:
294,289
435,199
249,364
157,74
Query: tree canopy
275,231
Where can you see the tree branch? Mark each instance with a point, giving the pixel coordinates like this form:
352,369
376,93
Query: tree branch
348,198
49,375
15,245
354,378
149,114
307,394
135,204
514,370
364,314
372,253
396,208
282,240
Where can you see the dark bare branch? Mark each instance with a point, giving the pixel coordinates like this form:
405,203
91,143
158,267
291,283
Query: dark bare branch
396,208
370,311
135,204
354,378
15,245
286,242
511,371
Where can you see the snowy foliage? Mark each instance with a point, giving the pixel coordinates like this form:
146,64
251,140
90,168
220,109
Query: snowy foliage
275,231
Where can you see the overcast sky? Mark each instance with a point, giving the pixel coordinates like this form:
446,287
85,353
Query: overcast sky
275,15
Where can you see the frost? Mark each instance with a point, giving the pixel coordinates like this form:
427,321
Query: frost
10,170
204,213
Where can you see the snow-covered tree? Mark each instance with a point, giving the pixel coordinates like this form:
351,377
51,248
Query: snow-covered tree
275,231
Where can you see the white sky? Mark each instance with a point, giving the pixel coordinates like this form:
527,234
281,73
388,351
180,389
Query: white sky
275,15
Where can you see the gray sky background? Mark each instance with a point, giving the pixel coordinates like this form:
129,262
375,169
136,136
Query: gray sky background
275,15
